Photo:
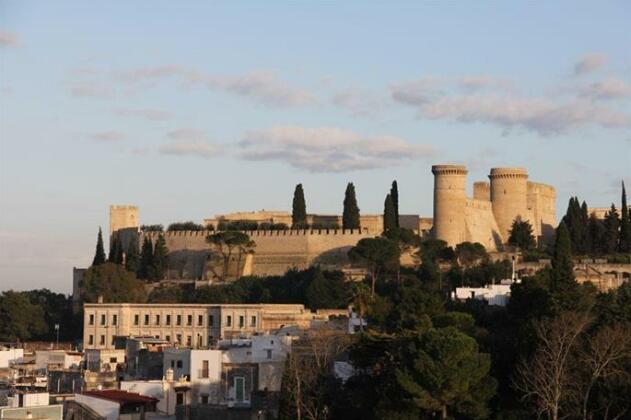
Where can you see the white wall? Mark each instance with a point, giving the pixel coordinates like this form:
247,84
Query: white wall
108,409
9,355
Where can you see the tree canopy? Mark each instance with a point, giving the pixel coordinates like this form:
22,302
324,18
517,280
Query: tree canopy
299,209
350,214
521,235
99,255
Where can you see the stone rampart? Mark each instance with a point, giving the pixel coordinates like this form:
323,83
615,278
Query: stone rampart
480,224
276,251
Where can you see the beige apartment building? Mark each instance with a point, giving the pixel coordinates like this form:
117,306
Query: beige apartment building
191,325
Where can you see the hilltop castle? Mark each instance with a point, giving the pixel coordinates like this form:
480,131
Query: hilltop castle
486,218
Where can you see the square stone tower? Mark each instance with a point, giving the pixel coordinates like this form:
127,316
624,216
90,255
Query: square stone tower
123,217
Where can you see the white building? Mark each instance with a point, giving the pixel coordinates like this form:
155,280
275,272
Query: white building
494,294
169,392
34,405
201,367
10,355
57,359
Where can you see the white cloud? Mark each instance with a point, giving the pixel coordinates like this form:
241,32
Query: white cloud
485,82
610,88
89,89
149,114
416,92
189,142
535,114
9,39
590,63
359,102
263,86
327,149
107,136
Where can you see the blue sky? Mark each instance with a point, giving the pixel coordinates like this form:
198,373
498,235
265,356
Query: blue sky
189,110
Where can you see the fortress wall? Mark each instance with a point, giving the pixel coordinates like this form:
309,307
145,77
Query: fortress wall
541,201
275,252
480,224
482,191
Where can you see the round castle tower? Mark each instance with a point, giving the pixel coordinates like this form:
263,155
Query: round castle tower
509,195
449,203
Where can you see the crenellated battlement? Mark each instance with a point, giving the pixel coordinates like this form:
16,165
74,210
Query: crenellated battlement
260,233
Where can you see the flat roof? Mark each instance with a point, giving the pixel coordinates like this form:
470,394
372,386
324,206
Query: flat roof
121,396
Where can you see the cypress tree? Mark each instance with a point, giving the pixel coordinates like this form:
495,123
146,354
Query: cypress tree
350,215
624,244
160,259
562,266
299,209
132,258
99,255
389,214
596,235
394,193
146,260
116,250
612,224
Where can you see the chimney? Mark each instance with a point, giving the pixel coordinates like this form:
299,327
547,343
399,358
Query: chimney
99,299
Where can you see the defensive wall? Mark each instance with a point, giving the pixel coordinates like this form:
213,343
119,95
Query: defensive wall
276,251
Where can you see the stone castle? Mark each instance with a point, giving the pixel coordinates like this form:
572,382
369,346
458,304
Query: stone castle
486,218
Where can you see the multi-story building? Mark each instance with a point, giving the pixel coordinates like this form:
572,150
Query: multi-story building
190,325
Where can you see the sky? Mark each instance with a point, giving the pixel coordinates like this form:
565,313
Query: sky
191,109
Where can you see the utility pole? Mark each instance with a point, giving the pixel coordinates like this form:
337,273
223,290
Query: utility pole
57,330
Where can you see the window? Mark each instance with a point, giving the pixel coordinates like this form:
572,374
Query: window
179,338
146,319
179,398
167,338
211,320
269,353
136,319
114,340
189,320
200,320
204,398
229,321
114,319
168,320
103,319
157,319
241,321
91,340
239,385
272,342
102,341
178,320
189,340
172,363
91,319
204,372
113,360
179,364
253,321
200,341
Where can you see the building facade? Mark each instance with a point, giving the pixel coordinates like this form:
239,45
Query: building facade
190,325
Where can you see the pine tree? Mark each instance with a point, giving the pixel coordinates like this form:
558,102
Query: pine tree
624,245
575,220
612,225
521,235
99,255
394,193
145,270
562,266
350,215
160,259
389,214
299,209
132,258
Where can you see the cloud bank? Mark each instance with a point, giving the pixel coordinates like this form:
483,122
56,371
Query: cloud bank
327,149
